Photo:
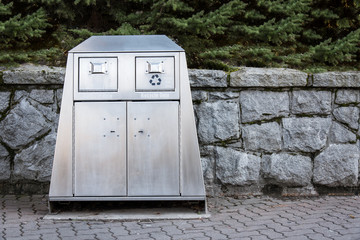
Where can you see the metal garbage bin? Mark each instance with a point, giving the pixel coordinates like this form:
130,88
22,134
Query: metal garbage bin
126,130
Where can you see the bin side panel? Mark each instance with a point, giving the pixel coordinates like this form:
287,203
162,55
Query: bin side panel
61,177
192,182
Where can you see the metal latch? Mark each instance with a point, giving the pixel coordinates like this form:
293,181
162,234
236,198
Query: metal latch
155,67
98,68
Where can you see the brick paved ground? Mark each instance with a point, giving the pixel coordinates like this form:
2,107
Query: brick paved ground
254,218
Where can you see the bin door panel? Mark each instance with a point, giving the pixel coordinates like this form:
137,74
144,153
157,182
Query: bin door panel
153,149
100,149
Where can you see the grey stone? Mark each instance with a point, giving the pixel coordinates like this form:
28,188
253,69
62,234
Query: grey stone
4,100
344,96
42,96
347,115
339,134
218,121
19,95
199,95
287,170
4,163
223,95
268,77
307,191
237,168
208,163
263,137
49,112
337,79
22,125
33,74
311,102
262,105
337,165
305,134
207,78
59,94
35,162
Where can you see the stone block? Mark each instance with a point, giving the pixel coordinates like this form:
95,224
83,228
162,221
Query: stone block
268,77
262,137
208,163
20,94
35,162
42,96
4,163
58,95
207,78
22,125
218,121
345,96
311,102
337,79
237,168
33,74
199,96
4,100
347,115
287,170
340,134
214,96
263,105
337,165
305,134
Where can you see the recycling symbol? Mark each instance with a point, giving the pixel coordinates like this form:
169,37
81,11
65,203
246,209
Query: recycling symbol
155,80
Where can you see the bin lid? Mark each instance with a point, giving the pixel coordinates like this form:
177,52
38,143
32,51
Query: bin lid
134,43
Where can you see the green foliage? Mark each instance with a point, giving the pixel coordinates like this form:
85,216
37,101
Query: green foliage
304,34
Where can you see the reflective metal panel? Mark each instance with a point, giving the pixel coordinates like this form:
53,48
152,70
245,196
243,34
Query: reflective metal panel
98,74
155,74
153,149
137,43
100,149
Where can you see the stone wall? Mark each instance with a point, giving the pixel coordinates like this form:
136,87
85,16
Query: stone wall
260,130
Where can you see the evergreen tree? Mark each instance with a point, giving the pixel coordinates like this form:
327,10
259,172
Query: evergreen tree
303,34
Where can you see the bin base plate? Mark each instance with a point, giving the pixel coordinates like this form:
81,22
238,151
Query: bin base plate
129,214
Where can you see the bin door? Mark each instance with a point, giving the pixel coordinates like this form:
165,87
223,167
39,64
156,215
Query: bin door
100,149
153,149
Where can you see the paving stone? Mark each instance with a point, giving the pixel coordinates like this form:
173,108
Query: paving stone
254,218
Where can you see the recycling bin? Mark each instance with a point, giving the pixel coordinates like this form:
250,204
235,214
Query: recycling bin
126,129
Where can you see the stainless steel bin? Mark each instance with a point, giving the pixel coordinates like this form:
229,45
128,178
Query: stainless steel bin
126,128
